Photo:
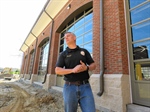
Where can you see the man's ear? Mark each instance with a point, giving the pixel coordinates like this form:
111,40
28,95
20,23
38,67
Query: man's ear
74,38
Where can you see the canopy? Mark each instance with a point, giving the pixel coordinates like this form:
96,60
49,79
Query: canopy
50,10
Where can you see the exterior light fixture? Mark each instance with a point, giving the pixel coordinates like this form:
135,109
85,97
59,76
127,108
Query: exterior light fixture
69,6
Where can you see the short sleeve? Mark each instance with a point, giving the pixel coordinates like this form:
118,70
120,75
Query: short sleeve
89,58
61,60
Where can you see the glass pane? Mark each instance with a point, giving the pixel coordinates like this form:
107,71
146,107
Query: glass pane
79,40
140,13
141,50
61,49
46,61
43,59
142,71
88,47
88,37
71,29
31,63
41,52
79,15
87,10
43,62
134,3
47,46
62,34
70,22
65,46
141,31
79,23
89,17
88,26
61,41
142,93
81,46
84,25
79,31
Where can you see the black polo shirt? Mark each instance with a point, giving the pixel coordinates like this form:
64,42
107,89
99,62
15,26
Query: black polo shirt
70,58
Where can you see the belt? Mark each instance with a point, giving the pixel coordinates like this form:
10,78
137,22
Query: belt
77,83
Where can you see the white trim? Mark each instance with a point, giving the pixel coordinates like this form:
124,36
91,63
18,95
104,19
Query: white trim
128,35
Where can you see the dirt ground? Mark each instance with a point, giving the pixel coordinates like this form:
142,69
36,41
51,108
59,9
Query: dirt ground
17,96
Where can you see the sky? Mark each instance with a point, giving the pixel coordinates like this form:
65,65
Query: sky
17,17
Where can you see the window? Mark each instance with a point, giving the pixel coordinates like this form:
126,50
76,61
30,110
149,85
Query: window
82,26
43,60
140,29
31,62
25,64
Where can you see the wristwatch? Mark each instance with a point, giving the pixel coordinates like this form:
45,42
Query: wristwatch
87,68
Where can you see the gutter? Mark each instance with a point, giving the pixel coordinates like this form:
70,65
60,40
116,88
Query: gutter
101,76
50,37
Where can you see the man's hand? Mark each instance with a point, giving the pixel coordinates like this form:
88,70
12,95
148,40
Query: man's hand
80,68
84,67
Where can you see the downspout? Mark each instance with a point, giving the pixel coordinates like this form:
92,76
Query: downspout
101,76
50,37
34,53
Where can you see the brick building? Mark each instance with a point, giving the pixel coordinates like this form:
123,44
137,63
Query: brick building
115,32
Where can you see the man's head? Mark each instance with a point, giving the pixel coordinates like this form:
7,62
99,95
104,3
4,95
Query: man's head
70,33
70,38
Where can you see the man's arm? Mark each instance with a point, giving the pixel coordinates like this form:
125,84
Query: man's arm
79,68
63,71
92,66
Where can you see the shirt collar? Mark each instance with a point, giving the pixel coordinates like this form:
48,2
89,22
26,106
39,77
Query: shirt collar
70,50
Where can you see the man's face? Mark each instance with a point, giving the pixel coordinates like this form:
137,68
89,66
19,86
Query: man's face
69,38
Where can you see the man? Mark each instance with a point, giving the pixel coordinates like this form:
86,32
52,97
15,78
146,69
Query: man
74,63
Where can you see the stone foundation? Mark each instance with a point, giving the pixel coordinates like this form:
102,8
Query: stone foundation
50,81
21,75
33,78
27,76
116,93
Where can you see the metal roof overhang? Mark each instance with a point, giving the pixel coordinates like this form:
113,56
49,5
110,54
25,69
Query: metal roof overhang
50,10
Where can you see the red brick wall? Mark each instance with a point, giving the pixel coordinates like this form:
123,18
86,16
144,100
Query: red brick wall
53,53
115,46
123,39
115,49
96,34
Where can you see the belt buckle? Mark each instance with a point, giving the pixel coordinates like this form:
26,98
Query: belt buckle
84,82
78,83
